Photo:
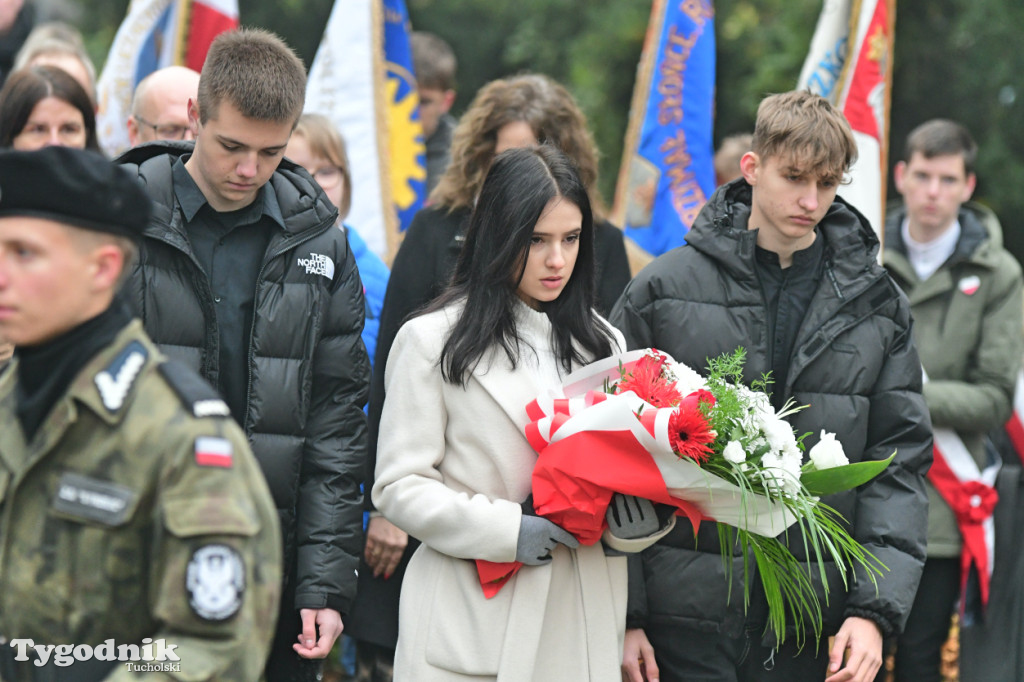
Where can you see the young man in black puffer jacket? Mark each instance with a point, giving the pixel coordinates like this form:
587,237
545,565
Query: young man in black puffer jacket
780,265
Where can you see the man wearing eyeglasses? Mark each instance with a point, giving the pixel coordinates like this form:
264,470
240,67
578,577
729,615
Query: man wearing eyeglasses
160,105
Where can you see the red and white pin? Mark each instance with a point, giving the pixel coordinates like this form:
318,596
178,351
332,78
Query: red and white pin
969,285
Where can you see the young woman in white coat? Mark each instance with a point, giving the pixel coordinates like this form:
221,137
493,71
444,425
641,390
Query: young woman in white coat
453,462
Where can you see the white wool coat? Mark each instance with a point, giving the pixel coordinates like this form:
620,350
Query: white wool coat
453,464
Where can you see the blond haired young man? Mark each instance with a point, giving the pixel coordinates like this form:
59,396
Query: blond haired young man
780,265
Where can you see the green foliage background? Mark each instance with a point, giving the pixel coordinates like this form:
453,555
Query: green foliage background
959,59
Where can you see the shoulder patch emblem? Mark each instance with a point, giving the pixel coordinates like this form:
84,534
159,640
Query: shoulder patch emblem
196,394
117,378
318,264
969,285
215,581
212,451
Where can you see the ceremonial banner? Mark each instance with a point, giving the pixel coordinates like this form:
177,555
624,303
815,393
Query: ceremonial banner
362,80
1015,425
667,174
154,34
850,64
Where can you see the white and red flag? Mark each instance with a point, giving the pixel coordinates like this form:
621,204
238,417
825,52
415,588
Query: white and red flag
850,64
1015,425
154,34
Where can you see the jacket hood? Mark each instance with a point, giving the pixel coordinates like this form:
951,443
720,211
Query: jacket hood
851,244
304,205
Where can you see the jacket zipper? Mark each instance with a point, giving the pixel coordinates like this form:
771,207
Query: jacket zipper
285,247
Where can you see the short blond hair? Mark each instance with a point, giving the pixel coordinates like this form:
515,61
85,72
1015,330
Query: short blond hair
805,127
325,141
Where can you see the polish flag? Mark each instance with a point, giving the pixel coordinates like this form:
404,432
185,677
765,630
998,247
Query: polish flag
154,34
212,451
850,64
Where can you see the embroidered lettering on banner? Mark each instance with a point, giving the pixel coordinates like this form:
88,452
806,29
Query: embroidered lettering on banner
318,264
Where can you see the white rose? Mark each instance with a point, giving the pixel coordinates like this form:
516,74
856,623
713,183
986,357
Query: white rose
828,452
734,452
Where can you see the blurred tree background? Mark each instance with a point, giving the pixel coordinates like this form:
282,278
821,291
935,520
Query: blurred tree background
953,58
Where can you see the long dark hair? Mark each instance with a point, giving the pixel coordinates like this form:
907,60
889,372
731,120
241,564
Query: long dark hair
27,87
517,189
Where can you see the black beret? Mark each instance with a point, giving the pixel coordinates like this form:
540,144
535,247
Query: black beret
75,187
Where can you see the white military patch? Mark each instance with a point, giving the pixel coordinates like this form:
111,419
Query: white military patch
211,408
215,579
114,388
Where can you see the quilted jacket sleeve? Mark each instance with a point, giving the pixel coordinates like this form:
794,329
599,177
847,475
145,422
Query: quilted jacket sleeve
892,509
329,532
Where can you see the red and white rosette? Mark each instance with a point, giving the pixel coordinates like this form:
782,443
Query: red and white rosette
970,492
972,496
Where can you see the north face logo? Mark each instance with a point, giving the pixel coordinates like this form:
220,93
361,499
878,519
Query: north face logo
318,264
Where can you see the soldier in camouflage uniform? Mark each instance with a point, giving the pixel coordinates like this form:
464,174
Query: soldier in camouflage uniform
132,512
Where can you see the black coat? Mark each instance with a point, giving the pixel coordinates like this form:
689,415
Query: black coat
308,368
854,364
421,270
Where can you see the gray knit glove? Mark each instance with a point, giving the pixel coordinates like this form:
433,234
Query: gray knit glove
631,517
538,537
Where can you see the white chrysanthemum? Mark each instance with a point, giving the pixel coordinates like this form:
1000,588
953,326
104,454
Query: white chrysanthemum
779,434
779,475
828,452
687,380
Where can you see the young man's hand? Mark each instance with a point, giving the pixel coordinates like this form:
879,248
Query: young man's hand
862,639
330,625
638,663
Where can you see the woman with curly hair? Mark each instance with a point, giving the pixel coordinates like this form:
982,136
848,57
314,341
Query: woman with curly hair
521,111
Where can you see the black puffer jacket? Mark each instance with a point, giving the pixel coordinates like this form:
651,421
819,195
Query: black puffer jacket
853,363
308,369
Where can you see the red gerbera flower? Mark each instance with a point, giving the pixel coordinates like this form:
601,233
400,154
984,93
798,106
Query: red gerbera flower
649,384
689,432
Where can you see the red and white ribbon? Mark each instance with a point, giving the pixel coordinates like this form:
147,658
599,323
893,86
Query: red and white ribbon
971,494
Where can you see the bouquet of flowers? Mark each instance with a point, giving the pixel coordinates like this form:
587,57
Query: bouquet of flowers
641,424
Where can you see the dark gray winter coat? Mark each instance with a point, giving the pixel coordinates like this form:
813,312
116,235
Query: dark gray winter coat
854,363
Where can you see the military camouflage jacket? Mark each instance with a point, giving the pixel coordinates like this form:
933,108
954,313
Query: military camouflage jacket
137,511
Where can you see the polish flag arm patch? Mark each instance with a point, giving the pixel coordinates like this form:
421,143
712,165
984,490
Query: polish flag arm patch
212,451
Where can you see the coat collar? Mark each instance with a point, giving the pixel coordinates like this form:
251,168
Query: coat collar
536,367
103,387
302,204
